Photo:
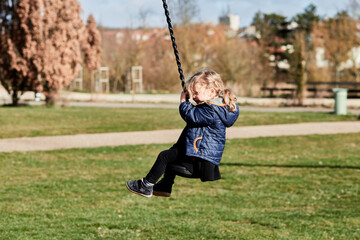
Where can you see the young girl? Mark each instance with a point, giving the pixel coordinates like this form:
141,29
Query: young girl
199,149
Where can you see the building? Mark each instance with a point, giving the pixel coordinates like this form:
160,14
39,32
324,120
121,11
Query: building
233,21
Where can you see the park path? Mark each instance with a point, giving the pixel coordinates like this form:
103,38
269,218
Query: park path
169,136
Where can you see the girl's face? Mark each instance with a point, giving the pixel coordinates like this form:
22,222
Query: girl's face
201,93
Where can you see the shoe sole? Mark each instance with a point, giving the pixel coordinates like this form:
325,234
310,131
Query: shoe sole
161,194
143,195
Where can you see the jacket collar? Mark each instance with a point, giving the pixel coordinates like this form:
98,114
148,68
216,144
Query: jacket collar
216,101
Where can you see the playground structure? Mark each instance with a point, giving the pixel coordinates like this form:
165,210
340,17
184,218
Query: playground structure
137,79
77,83
102,80
102,83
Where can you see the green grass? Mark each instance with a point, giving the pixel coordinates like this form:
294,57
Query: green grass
303,187
41,121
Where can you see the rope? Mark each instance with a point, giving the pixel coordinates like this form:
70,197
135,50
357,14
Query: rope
176,52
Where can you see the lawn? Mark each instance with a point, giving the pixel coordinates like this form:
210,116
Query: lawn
300,187
34,121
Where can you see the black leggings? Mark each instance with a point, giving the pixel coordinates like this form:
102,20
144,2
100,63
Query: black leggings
164,165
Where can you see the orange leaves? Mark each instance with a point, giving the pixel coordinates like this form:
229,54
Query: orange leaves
91,45
41,44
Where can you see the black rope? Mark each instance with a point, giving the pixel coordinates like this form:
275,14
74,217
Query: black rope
176,52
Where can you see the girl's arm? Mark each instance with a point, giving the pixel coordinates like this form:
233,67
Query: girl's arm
198,115
184,96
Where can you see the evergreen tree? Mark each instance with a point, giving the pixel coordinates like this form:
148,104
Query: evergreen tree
273,34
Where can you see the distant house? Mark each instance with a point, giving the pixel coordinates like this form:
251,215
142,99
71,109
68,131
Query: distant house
233,21
249,33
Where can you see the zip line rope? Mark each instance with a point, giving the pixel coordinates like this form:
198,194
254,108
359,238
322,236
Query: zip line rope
176,52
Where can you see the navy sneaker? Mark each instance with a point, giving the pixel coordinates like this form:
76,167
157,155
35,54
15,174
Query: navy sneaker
162,189
138,187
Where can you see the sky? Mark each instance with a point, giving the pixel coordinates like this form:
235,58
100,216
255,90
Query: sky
126,13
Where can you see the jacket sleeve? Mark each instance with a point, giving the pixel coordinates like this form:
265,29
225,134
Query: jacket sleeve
198,115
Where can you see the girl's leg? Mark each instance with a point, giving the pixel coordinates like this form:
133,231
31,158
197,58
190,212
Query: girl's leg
159,167
164,187
145,186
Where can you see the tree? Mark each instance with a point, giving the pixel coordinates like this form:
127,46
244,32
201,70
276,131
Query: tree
185,11
20,62
61,54
298,66
194,44
232,60
303,53
159,66
91,47
272,36
307,20
338,37
354,9
40,45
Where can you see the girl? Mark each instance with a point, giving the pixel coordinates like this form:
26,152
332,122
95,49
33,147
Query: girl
199,149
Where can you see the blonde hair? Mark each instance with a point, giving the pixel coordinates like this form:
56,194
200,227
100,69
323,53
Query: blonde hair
212,80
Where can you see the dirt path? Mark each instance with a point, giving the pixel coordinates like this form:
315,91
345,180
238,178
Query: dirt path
168,136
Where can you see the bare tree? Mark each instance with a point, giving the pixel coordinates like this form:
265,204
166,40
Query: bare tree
159,68
354,9
231,60
338,38
184,11
143,15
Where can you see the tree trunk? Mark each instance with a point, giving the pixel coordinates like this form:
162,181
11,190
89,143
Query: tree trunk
300,94
50,98
15,98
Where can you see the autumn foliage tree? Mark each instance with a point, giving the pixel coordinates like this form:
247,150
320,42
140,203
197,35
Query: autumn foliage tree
40,45
20,63
91,46
61,55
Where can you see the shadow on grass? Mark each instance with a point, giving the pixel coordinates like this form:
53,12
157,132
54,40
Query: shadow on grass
290,166
8,105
